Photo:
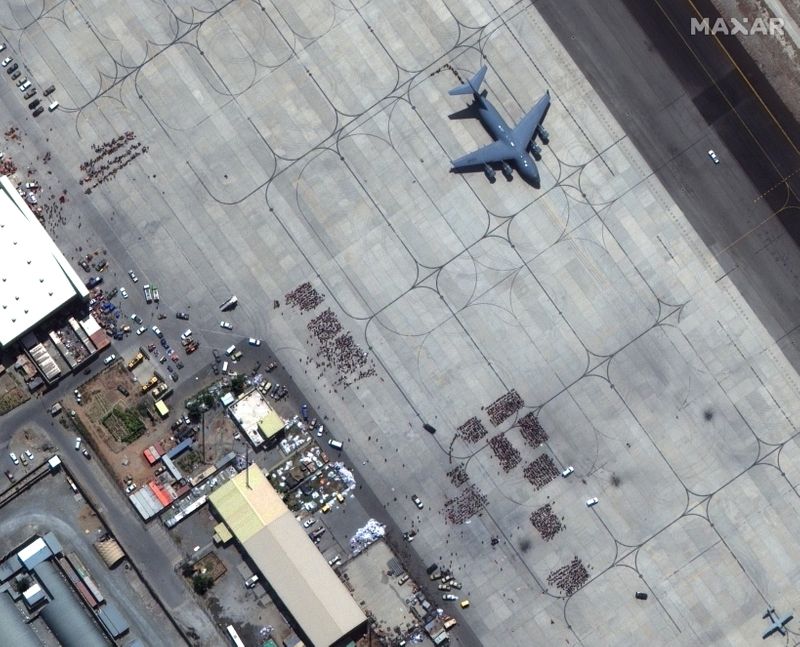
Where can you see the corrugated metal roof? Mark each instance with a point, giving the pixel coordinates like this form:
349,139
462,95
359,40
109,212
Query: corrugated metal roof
15,631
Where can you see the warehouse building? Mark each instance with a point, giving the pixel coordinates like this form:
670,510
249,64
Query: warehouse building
35,277
288,560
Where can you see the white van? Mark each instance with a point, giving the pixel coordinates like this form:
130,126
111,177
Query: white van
225,367
53,106
336,444
78,442
251,582
231,350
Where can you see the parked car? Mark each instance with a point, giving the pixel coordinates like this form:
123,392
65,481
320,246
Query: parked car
156,297
417,501
309,522
29,454
2,46
254,342
22,81
157,331
186,334
174,377
141,330
25,86
449,597
13,458
124,293
567,471
227,325
133,276
49,90
136,318
182,315
713,157
15,75
12,68
94,282
29,94
34,103
6,61
86,453
109,359
591,502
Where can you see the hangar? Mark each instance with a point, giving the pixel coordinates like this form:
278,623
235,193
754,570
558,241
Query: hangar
289,561
35,277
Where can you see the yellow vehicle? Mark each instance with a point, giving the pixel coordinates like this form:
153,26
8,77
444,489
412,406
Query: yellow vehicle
464,604
149,384
339,497
135,361
326,507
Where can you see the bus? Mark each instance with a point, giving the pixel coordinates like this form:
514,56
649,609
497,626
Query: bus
234,636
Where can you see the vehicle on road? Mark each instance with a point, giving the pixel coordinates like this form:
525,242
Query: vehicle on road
215,352
86,453
182,315
254,342
157,330
417,501
713,156
124,293
591,502
227,325
13,458
78,442
131,273
109,359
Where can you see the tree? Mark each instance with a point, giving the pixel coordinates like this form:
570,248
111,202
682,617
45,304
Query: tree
238,383
202,583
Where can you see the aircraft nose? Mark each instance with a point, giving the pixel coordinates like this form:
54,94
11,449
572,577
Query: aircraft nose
530,174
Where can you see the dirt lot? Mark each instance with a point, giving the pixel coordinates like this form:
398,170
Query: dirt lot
12,393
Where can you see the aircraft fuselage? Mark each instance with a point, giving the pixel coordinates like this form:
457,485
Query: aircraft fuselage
499,130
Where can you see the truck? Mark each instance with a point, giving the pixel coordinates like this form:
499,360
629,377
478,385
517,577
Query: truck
148,293
135,361
55,409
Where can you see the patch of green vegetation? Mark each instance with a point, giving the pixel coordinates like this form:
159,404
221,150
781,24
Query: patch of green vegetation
131,423
202,583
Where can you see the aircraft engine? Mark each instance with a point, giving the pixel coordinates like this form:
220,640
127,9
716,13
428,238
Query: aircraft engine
507,171
488,171
544,136
535,150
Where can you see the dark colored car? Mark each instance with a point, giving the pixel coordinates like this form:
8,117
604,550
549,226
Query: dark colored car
182,315
429,428
50,90
38,111
12,69
33,104
123,390
174,377
15,75
94,282
29,93
85,265
216,355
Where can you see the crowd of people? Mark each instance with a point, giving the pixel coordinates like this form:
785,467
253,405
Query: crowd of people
504,407
472,430
104,167
336,348
305,297
569,578
505,452
546,522
466,505
458,475
531,430
540,471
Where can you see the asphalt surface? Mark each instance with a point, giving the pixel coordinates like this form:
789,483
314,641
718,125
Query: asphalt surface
678,95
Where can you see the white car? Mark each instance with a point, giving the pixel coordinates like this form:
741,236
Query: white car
157,331
109,359
6,61
130,488
14,458
141,330
156,297
186,334
591,502
31,185
713,157
24,86
227,325
417,501
133,276
567,471
309,522
29,454
254,342
124,293
2,46
136,318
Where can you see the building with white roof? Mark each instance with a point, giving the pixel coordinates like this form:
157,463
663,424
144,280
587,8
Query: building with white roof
35,277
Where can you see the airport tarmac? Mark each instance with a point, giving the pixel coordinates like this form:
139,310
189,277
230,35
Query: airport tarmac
311,143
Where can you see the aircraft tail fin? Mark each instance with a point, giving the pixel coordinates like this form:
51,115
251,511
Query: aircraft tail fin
473,85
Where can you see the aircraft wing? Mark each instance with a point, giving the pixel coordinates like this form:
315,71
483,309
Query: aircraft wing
523,132
492,153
